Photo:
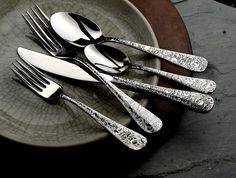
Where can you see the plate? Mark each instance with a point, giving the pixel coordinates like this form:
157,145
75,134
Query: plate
27,118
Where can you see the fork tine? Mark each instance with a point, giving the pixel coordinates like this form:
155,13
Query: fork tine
45,26
30,74
42,31
26,78
35,80
41,17
39,76
22,77
42,13
46,44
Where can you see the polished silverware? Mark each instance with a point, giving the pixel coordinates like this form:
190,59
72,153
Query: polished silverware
196,101
113,61
81,31
142,116
50,90
45,35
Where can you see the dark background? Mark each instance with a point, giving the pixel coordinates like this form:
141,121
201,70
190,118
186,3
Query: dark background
228,2
191,144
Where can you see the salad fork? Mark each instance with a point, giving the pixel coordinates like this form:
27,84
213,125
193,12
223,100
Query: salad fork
58,48
50,90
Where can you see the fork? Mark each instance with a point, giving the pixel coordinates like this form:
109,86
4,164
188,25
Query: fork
58,48
143,117
50,90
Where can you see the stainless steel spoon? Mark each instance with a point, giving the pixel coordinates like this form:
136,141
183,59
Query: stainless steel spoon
114,61
81,32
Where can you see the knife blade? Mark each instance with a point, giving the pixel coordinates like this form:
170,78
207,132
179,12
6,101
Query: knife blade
72,71
194,100
54,65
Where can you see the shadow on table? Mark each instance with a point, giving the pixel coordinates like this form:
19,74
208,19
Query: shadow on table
104,158
231,3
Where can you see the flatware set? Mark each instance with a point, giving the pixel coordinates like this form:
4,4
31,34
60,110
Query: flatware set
62,34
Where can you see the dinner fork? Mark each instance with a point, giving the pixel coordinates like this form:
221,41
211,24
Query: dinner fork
58,48
143,117
50,90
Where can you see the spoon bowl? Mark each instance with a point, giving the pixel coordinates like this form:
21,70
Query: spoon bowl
79,30
107,59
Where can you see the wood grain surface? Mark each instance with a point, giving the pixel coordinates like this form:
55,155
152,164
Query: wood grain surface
171,34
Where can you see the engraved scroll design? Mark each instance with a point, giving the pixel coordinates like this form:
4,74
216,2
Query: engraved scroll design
127,136
188,61
143,117
194,100
198,84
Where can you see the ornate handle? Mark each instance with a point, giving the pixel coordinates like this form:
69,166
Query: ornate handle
197,101
143,117
188,61
127,136
202,85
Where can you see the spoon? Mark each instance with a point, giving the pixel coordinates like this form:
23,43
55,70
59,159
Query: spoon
81,32
114,61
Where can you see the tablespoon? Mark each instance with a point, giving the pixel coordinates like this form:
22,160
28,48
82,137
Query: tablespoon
114,61
81,32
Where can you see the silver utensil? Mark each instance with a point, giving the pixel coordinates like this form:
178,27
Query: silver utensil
113,61
196,101
81,31
50,90
143,117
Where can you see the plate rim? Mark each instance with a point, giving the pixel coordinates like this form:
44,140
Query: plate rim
102,135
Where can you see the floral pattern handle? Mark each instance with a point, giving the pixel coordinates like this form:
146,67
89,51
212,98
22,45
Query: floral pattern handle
143,117
194,100
198,84
187,61
127,136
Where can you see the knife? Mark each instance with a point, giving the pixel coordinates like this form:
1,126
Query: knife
194,100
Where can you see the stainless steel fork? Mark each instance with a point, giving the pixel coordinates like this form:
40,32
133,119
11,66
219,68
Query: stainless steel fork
50,90
57,47
143,117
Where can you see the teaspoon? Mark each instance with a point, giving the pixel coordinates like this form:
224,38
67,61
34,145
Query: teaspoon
113,61
80,31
